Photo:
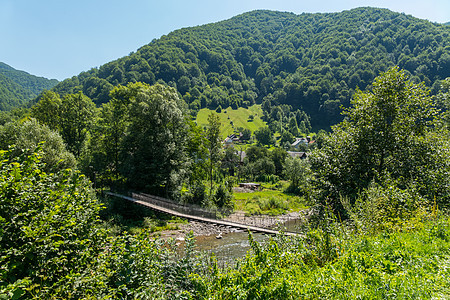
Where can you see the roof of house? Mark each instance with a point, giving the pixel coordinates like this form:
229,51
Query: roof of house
297,154
298,141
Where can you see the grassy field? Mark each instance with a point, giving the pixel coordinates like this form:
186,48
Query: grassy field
268,201
231,119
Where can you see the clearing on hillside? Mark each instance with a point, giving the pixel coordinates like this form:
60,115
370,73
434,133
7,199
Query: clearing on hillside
231,119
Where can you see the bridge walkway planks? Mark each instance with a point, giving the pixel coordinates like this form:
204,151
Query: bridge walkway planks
201,219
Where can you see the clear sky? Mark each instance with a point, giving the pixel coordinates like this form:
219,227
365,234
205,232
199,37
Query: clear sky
59,39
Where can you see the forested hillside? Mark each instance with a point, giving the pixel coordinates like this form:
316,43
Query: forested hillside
18,87
311,62
371,196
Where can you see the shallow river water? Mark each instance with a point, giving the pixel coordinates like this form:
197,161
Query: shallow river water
232,245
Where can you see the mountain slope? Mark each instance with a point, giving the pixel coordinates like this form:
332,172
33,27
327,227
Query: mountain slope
18,87
311,62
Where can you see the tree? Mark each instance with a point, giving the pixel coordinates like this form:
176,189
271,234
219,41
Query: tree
297,171
253,153
77,113
293,128
213,143
286,138
278,156
154,146
246,134
197,151
261,167
72,117
387,135
28,135
105,145
264,136
443,100
229,161
47,110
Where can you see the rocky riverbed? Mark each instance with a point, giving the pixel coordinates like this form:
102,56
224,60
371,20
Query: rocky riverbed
207,229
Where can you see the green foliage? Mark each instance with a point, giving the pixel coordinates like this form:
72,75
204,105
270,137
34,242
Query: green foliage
340,266
264,136
48,227
222,198
76,117
272,205
386,207
154,143
246,133
18,87
213,144
310,62
52,247
28,135
72,117
270,200
198,153
387,135
443,101
298,172
47,110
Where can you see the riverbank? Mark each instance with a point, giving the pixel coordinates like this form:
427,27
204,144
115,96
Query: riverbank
207,229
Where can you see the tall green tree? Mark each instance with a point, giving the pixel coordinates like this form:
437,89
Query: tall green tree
47,110
154,147
198,153
213,144
110,131
72,117
387,135
297,171
443,101
264,136
77,113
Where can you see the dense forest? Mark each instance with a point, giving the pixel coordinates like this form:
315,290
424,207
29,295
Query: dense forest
373,192
309,62
19,87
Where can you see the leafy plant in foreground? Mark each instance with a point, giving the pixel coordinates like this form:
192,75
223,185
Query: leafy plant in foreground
48,226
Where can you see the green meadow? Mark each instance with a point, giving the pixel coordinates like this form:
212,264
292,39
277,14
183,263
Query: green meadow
231,119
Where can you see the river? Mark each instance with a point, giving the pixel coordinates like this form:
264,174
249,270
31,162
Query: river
233,245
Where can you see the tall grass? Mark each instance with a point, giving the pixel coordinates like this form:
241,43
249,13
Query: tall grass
398,265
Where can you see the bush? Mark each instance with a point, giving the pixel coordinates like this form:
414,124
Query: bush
49,227
222,198
196,194
385,207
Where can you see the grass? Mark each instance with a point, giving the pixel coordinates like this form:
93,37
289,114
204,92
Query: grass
238,117
337,264
271,200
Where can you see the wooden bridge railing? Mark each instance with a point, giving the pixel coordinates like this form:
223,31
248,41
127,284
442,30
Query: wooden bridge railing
190,209
192,213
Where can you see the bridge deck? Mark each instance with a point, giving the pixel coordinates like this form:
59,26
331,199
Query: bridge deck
200,219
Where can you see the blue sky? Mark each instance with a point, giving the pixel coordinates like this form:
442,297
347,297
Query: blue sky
59,39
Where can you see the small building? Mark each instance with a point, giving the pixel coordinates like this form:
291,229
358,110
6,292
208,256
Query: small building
231,139
301,155
300,141
250,185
